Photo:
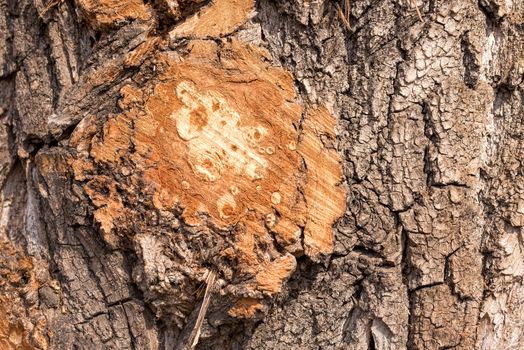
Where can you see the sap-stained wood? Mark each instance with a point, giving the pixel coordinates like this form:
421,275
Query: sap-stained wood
222,140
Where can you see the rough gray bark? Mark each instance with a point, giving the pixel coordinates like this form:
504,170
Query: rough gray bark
428,254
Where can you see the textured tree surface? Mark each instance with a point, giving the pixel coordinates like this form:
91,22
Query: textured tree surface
240,174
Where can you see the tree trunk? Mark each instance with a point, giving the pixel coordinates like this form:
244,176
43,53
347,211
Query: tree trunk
273,175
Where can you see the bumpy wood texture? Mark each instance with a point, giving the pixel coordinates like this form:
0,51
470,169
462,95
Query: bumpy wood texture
351,188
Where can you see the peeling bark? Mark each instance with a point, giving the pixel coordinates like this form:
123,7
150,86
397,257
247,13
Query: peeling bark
352,185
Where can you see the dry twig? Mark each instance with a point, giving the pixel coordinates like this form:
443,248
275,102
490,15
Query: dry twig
344,15
413,2
195,334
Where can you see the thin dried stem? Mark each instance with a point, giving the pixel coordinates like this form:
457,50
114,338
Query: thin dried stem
343,17
413,2
198,292
347,9
195,334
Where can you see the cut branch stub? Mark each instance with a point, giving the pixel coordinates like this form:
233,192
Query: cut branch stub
219,140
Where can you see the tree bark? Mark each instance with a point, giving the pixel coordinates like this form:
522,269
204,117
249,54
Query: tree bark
273,175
